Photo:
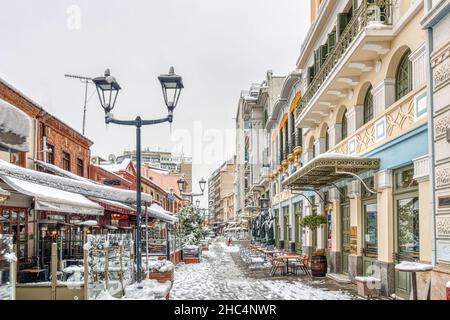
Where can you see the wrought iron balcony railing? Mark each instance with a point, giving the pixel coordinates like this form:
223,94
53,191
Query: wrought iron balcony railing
370,12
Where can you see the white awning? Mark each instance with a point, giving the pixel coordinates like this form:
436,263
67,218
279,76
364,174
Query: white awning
158,212
50,199
85,188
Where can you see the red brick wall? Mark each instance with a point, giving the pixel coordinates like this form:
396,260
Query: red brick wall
61,136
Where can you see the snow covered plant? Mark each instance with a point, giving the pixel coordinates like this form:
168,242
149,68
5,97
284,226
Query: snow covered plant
161,266
191,221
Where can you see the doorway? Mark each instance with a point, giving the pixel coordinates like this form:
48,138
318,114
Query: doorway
345,234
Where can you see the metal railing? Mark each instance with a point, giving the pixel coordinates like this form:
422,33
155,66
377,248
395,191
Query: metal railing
374,11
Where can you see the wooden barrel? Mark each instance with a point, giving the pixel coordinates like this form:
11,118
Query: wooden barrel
319,266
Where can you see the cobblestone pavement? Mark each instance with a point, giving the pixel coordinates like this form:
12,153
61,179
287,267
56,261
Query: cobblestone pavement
222,275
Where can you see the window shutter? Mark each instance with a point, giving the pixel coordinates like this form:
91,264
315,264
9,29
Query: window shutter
323,54
331,41
342,21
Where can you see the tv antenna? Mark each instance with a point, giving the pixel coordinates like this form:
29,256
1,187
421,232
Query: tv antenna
86,81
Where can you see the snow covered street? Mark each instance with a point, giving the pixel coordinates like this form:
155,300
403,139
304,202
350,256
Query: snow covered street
219,276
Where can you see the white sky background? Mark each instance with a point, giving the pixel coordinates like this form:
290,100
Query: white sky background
219,47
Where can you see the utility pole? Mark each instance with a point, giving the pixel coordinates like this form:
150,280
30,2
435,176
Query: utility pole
86,81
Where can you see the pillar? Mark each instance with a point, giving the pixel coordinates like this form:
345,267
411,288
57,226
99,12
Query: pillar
336,238
355,257
355,118
383,96
321,231
308,155
307,239
335,135
320,146
385,234
422,176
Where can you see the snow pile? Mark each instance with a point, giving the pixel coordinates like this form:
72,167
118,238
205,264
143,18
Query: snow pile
229,249
5,292
299,291
161,266
151,290
11,257
409,266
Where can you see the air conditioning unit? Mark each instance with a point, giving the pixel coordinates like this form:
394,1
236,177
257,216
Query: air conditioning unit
95,160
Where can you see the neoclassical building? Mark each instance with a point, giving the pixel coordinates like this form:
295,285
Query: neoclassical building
436,22
350,141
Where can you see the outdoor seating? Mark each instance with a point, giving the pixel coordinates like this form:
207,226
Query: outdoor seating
278,265
300,264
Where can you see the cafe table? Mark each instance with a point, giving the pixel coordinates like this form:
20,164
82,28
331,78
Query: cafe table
413,267
287,258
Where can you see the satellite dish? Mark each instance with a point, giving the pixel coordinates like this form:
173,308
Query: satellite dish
112,158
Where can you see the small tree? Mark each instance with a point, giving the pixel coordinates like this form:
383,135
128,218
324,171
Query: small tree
191,221
313,222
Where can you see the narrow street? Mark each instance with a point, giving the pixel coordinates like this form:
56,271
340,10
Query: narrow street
221,276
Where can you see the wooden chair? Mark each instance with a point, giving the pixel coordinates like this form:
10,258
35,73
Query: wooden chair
277,265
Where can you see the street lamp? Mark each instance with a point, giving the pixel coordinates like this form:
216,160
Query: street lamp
197,203
108,89
182,186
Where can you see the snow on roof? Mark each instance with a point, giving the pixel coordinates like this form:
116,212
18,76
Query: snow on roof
15,121
60,172
85,188
116,167
51,199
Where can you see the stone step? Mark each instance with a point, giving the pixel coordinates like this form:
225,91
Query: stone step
339,278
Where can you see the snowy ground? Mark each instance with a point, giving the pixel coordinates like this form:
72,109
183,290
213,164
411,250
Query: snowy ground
219,277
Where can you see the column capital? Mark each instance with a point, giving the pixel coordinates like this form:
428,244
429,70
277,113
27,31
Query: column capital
384,179
422,169
354,189
334,195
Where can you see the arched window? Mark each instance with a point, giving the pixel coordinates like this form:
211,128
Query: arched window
403,79
313,148
327,140
344,128
368,106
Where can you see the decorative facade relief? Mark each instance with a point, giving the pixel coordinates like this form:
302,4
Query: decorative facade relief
443,226
440,126
384,179
422,169
441,67
443,176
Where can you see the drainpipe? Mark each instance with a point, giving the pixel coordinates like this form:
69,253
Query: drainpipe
431,146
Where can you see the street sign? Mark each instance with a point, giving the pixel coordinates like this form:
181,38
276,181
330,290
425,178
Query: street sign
170,197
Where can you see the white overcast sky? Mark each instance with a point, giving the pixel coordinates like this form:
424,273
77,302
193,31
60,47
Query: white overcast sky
219,47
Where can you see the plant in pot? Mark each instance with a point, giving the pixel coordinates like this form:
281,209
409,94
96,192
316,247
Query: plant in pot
318,260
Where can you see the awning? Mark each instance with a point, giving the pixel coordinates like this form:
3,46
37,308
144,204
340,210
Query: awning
116,207
54,200
327,168
14,128
85,188
158,212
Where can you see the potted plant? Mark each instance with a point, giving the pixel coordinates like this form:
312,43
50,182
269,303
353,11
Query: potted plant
318,260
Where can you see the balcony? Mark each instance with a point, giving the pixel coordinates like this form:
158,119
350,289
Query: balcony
396,120
364,40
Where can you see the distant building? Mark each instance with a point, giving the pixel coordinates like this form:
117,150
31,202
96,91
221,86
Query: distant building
163,160
221,194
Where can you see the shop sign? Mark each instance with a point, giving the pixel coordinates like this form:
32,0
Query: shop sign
444,202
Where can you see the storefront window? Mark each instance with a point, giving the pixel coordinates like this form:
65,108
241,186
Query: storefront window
371,239
408,225
15,222
404,179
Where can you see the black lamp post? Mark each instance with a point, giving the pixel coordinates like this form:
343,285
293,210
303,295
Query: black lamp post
182,186
108,90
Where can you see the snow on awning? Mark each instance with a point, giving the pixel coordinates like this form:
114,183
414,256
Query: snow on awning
85,188
115,206
158,212
50,199
324,169
14,128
